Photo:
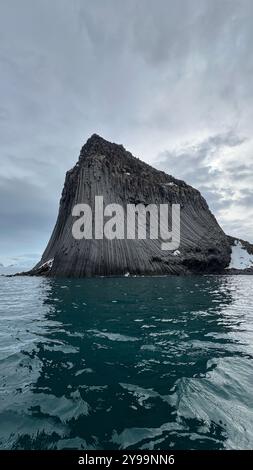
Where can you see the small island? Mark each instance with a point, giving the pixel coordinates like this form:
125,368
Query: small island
107,170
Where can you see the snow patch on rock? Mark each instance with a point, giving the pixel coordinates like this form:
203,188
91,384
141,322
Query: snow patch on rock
170,184
240,258
48,264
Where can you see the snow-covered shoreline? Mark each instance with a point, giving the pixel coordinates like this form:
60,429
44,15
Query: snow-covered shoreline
240,258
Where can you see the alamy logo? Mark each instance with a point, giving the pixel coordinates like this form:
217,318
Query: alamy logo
132,222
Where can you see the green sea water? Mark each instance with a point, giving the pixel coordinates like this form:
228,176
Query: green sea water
126,363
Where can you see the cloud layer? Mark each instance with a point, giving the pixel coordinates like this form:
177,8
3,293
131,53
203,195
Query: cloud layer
172,81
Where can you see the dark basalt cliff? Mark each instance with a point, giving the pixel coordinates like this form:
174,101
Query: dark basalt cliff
108,170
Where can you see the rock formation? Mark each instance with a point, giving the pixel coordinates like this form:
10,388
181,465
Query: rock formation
107,169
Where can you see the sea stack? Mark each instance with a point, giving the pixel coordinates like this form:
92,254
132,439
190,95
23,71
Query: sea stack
107,169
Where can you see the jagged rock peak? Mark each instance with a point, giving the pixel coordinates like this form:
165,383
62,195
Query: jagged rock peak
98,145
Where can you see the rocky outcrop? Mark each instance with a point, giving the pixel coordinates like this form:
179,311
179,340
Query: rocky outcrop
107,169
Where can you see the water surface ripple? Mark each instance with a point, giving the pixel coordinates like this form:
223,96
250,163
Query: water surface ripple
143,363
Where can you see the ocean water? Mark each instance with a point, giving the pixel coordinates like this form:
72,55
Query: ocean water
126,363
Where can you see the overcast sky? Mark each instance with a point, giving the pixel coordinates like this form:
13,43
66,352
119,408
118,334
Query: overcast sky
172,80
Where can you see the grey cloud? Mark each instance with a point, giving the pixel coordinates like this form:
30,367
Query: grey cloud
247,198
27,216
219,186
193,162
